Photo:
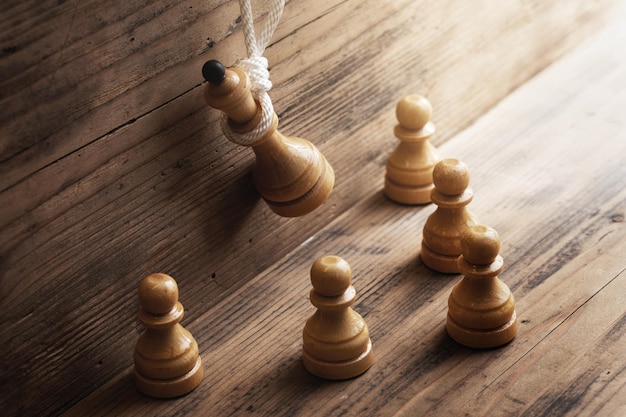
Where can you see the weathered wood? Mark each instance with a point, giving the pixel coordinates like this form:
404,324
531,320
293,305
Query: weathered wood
558,199
112,167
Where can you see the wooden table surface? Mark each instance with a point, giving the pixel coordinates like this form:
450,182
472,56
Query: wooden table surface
548,170
549,173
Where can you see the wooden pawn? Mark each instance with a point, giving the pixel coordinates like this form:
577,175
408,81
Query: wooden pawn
167,363
290,173
336,342
481,308
441,243
409,170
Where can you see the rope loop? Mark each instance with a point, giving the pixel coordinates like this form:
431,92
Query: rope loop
250,138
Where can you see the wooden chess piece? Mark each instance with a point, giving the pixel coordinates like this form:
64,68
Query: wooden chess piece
441,243
290,173
336,339
409,175
166,357
481,308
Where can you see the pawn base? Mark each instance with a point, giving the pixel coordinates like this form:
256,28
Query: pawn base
339,370
311,200
441,263
482,339
407,194
170,388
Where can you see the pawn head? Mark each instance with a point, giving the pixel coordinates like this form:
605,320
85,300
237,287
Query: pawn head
158,294
451,176
413,112
214,71
480,245
331,276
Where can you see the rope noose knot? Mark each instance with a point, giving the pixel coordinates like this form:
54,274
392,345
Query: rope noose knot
260,84
256,66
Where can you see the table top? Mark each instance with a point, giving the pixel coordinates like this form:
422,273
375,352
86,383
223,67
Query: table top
112,167
549,174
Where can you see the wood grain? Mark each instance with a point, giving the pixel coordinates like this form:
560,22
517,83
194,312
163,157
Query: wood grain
112,167
558,204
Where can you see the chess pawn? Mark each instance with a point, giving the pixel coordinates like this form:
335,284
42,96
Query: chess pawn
481,308
336,339
290,173
166,357
441,243
409,177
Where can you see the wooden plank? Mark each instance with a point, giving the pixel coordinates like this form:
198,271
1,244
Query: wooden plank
565,363
112,167
294,50
557,198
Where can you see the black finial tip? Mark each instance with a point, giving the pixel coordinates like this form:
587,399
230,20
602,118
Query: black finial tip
213,71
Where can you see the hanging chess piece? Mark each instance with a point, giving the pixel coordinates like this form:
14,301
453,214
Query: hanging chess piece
336,339
409,177
481,308
441,243
166,357
290,173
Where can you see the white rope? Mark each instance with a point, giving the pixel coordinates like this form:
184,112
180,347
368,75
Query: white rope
255,65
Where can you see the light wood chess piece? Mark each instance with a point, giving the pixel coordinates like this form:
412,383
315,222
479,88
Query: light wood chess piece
409,174
336,339
481,308
290,173
441,244
167,363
